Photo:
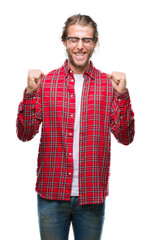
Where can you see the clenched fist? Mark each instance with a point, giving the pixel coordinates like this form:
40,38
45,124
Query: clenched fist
118,80
34,78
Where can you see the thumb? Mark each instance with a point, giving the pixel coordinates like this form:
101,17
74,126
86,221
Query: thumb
113,78
42,74
110,76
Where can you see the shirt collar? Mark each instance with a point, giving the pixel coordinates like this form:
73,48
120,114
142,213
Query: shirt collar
90,72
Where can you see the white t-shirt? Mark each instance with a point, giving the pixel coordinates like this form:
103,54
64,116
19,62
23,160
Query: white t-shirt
78,91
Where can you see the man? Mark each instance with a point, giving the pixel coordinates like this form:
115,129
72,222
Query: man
79,106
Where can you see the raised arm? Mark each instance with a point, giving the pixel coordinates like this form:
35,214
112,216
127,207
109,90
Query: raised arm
30,111
122,115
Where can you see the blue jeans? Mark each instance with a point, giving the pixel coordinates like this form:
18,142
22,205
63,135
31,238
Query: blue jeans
55,217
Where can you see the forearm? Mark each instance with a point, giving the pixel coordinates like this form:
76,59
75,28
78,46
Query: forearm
122,118
29,117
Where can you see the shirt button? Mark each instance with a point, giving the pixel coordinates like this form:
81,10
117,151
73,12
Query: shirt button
71,96
71,115
70,154
69,173
70,134
72,80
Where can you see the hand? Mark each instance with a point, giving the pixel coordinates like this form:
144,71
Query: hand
34,78
118,80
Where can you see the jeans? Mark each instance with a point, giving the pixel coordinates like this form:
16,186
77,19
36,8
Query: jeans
55,217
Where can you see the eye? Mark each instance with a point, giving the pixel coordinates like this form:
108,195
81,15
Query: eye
87,40
73,39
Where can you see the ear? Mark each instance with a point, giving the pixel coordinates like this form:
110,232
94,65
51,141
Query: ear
95,43
65,43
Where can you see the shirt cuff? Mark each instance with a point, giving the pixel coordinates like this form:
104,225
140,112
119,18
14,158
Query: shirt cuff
122,99
29,99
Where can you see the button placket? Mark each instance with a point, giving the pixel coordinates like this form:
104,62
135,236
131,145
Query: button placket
70,130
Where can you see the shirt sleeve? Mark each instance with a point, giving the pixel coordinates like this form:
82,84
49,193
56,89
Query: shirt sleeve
29,116
122,118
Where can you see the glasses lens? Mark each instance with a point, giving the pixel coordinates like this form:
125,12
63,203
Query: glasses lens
87,41
73,40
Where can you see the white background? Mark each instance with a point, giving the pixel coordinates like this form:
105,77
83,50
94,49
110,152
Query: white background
30,38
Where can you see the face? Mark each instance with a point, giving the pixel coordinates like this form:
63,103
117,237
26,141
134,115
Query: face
79,54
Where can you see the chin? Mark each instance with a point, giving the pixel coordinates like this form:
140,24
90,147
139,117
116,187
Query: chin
79,64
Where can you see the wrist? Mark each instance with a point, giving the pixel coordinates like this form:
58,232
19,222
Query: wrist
28,90
122,92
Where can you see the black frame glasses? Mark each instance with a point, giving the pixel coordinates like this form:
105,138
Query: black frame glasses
75,40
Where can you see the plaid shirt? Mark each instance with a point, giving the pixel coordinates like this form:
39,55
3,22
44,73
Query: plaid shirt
103,111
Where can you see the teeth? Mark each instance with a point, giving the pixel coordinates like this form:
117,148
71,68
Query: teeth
79,54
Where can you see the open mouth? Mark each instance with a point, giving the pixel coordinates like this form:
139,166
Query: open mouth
80,54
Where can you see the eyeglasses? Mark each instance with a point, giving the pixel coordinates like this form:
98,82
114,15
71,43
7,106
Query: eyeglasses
85,41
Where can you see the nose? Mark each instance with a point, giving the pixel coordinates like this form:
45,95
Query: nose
80,44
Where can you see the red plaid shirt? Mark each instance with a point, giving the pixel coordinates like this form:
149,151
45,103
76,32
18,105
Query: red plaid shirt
103,111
